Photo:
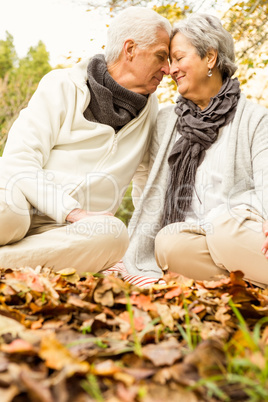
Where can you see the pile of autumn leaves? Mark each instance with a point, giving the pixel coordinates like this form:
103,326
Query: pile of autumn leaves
71,339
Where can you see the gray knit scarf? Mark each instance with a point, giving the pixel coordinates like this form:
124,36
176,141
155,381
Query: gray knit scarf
110,103
199,130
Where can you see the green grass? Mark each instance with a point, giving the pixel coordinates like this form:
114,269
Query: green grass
247,364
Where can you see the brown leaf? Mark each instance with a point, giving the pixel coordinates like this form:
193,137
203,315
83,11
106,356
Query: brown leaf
198,309
53,324
6,290
126,394
105,368
138,322
139,373
37,389
164,353
177,291
18,346
104,295
165,315
237,278
8,325
76,301
106,289
14,328
23,281
216,284
210,329
58,357
125,378
174,393
177,311
37,324
178,279
8,394
142,301
183,373
208,357
222,314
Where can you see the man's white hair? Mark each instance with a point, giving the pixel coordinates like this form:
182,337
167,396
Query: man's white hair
137,23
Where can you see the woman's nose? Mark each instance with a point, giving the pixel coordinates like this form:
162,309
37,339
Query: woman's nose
173,68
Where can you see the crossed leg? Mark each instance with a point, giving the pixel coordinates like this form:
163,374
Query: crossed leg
234,243
89,245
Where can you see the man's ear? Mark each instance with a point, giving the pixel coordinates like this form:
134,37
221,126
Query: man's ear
129,49
212,56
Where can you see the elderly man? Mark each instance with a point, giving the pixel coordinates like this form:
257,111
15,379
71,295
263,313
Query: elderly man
73,151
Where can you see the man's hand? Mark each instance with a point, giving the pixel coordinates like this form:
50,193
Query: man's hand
77,214
265,244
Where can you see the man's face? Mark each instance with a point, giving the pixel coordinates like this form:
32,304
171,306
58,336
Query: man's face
149,65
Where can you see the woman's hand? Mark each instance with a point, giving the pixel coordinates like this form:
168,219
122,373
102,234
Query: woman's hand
265,244
77,214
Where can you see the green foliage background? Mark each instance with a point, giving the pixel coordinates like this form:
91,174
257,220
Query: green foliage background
18,80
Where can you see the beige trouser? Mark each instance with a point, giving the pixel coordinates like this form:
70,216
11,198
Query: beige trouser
26,239
233,242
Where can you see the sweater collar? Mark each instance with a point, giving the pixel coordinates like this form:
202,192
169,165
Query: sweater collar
111,103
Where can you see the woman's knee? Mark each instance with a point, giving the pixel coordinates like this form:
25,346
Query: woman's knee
172,248
186,253
236,242
227,237
163,243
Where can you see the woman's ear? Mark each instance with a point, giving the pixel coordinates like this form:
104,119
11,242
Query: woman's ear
129,49
212,56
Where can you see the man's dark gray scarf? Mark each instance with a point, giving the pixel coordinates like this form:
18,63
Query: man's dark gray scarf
110,103
199,130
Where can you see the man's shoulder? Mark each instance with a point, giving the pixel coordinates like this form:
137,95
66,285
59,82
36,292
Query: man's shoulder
54,80
76,73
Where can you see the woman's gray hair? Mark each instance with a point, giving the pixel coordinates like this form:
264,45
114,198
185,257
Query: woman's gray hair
137,23
205,31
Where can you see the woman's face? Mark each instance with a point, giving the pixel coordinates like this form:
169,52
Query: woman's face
187,69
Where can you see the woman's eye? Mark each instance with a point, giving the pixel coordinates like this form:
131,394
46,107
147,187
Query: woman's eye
175,60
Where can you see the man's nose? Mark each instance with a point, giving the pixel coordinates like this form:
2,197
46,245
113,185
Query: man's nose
165,68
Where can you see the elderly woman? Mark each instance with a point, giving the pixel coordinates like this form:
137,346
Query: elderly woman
204,209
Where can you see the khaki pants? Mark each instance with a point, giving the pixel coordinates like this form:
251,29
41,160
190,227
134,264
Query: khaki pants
89,245
232,242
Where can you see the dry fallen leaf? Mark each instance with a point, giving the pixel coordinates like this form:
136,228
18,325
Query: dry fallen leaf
164,353
57,357
18,346
125,343
67,271
176,291
165,315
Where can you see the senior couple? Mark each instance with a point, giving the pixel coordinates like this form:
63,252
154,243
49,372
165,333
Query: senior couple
199,170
